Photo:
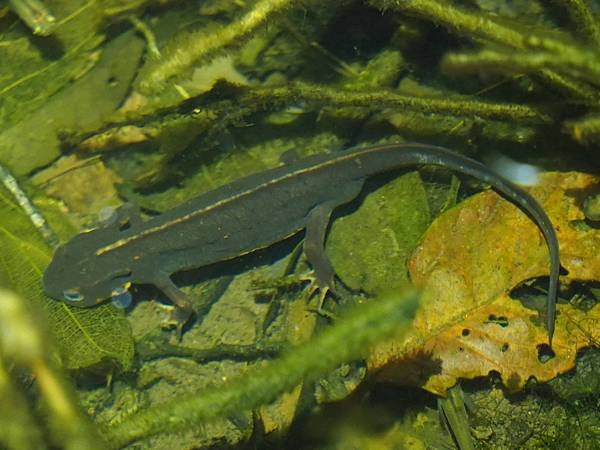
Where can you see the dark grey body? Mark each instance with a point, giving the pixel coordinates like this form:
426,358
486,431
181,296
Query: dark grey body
252,213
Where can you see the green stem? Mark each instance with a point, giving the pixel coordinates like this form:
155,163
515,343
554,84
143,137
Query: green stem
197,45
583,19
578,63
479,25
347,340
585,130
380,99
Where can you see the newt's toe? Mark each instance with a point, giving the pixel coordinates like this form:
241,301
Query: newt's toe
178,318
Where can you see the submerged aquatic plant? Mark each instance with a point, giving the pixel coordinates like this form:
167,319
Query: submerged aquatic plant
23,343
566,63
349,339
353,96
194,46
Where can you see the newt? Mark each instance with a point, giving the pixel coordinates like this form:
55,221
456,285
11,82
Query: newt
252,213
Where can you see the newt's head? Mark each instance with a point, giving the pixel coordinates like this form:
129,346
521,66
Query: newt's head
80,277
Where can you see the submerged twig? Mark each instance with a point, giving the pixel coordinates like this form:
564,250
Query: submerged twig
38,221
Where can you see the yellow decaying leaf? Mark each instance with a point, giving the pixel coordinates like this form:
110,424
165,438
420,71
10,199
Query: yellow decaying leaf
468,260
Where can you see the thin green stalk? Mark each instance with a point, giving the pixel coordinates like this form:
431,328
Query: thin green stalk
583,19
36,15
379,99
580,64
460,20
419,124
479,25
22,341
199,44
218,115
347,340
18,430
571,87
585,130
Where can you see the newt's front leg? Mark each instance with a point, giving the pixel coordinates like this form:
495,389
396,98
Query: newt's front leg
121,218
182,309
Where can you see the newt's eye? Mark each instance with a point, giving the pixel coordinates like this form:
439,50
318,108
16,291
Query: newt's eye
72,295
121,297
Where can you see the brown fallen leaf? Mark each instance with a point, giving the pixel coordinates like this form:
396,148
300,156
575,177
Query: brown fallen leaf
511,347
467,262
85,186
